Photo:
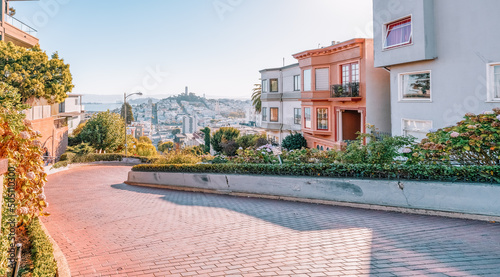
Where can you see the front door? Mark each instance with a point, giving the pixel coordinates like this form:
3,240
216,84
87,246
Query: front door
351,124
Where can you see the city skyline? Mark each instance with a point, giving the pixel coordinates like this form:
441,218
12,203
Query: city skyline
215,47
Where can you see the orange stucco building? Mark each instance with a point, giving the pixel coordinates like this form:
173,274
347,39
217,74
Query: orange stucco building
341,92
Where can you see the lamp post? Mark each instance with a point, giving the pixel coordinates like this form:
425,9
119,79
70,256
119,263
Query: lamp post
125,96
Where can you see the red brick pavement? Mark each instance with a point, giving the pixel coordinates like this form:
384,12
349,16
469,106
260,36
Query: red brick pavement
107,228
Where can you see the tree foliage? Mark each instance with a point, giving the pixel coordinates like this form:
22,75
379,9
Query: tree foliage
294,141
256,102
146,150
166,146
33,74
105,130
144,139
206,131
130,113
224,133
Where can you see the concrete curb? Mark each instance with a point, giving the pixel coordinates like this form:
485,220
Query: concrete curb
328,202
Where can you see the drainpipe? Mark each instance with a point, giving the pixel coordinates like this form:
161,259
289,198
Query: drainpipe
281,105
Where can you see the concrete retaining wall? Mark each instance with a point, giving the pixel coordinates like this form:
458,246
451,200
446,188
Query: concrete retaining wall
464,198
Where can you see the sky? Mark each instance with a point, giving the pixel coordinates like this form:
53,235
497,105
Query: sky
216,47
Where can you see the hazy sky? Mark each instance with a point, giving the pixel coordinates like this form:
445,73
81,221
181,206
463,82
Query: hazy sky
216,47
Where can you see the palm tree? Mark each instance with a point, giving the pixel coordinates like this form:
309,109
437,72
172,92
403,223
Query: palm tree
256,102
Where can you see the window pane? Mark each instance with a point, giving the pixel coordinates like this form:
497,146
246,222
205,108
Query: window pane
416,86
264,86
307,80
398,33
355,72
322,80
307,117
274,85
264,114
296,82
274,114
322,116
296,116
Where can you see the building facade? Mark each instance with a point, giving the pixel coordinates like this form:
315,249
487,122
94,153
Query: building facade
443,59
73,110
281,112
189,124
342,91
14,30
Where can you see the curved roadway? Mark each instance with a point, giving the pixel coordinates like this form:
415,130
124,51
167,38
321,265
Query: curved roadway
107,228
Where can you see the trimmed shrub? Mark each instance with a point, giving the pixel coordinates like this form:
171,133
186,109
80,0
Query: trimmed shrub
42,252
178,157
61,164
294,141
146,150
94,157
482,174
68,156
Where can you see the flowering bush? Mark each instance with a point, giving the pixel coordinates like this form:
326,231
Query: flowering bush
266,154
20,145
472,141
179,157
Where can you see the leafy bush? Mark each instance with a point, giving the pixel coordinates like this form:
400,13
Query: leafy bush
306,155
104,131
146,150
472,141
484,174
81,149
95,157
229,147
247,141
145,139
227,133
198,150
266,154
68,156
384,150
42,252
165,146
61,164
178,157
294,141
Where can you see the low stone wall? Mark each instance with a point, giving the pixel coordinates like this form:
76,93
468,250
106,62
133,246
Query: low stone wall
461,198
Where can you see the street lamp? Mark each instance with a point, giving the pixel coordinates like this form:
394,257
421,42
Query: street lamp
125,96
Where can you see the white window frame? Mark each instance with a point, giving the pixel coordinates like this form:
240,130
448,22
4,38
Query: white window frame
386,30
265,85
401,97
264,114
416,120
296,82
490,82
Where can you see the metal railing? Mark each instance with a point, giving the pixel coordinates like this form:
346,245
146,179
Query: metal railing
20,25
345,90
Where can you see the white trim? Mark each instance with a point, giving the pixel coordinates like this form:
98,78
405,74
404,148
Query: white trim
400,87
384,34
490,83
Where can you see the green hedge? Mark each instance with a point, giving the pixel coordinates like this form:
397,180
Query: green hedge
42,252
482,174
111,157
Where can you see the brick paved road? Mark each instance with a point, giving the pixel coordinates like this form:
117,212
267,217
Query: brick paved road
107,228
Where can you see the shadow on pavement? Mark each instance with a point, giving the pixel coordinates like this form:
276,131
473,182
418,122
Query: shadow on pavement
425,245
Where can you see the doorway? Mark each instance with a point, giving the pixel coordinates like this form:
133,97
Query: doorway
351,124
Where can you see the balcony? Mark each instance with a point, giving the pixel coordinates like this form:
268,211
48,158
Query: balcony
18,32
345,92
